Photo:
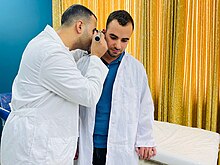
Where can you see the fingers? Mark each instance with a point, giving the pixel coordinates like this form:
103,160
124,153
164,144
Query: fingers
149,154
142,152
98,36
154,151
146,152
99,45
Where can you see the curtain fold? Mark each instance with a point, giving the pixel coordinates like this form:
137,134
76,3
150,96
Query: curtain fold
179,44
181,55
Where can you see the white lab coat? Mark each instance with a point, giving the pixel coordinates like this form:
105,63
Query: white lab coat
42,128
131,119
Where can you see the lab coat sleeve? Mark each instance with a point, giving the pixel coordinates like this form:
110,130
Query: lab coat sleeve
60,75
78,54
146,117
82,64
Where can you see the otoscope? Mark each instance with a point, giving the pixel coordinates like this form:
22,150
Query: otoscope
97,37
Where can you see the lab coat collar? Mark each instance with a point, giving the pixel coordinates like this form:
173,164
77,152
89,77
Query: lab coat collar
50,31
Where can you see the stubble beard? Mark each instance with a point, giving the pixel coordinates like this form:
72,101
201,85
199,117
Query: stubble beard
112,55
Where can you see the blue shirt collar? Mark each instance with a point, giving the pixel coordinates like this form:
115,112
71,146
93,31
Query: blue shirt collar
118,60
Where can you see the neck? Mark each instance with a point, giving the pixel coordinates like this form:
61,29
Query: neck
66,36
108,58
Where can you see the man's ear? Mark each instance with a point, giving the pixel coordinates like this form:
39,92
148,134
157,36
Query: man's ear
78,26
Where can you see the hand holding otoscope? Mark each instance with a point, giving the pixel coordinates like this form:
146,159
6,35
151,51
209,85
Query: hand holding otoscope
97,37
99,45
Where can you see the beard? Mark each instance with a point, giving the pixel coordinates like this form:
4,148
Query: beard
113,55
85,42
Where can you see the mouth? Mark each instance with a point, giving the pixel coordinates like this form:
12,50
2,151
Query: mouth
115,51
112,54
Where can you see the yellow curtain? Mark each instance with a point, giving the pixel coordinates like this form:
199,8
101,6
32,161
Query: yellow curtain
102,9
179,44
182,57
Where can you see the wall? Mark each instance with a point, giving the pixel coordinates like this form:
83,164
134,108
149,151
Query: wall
20,21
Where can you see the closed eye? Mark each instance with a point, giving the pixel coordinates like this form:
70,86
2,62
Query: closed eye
125,40
113,37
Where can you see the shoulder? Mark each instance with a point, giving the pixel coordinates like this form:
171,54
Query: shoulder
133,62
136,67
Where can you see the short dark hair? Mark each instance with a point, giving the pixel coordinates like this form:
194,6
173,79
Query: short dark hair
122,16
75,12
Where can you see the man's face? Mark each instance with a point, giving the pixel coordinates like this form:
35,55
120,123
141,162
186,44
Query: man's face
117,37
86,38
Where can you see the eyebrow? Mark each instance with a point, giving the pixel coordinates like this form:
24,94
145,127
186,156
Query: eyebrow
113,35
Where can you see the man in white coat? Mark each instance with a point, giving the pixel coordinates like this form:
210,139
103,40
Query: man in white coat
42,128
120,132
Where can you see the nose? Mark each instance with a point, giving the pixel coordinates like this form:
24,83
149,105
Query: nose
118,44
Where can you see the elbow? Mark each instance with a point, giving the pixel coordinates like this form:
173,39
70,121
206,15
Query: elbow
93,98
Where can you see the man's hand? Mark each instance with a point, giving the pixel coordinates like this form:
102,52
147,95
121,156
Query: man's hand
100,47
146,152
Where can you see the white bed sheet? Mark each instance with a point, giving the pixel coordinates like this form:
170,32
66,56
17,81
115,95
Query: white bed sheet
181,145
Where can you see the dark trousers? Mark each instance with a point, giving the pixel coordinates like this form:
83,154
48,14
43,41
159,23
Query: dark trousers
99,156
